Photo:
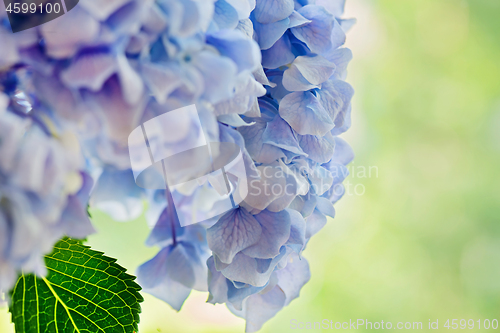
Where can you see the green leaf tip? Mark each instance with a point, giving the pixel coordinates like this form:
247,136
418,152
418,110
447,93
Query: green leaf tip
83,292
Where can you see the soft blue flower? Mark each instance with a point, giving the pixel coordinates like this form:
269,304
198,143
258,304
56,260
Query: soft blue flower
43,194
266,75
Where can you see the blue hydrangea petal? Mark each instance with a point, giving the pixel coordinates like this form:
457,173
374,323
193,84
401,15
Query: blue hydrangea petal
234,231
296,184
297,239
268,187
89,71
246,27
74,29
280,54
307,72
336,7
325,206
255,272
314,223
269,11
180,264
335,96
323,33
342,122
235,45
152,272
161,234
162,80
103,11
305,114
237,296
297,20
321,180
117,194
225,15
243,7
275,233
258,150
319,149
341,58
293,277
261,307
343,153
75,219
278,133
219,75
346,24
218,286
338,171
268,34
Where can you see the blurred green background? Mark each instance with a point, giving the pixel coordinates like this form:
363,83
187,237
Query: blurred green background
421,238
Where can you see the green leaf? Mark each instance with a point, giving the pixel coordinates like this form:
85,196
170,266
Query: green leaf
84,292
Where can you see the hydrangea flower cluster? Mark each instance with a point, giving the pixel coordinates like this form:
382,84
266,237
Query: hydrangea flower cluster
43,193
267,75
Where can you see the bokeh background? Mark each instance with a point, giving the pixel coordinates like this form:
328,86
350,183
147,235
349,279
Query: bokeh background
418,238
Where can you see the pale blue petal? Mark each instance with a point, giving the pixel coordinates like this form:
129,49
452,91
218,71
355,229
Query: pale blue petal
117,194
318,149
297,238
268,34
338,171
335,96
325,206
180,264
219,75
217,284
347,24
341,58
321,180
261,152
255,272
307,72
162,80
336,7
293,277
75,219
243,7
89,71
297,20
235,45
275,233
235,231
162,231
342,122
262,307
305,114
314,223
280,54
323,33
236,296
343,153
151,273
279,134
269,11
171,292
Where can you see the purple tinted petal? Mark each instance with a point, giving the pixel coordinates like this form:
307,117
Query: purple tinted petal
275,233
305,114
234,232
269,11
